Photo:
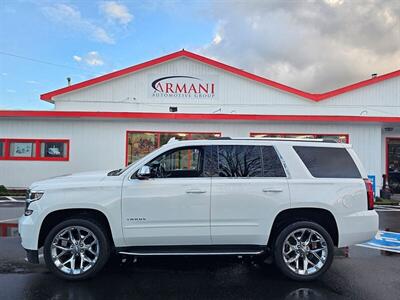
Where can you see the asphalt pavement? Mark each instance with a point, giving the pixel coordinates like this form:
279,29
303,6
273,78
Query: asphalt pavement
365,274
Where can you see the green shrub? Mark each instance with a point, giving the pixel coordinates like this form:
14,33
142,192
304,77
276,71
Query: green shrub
3,190
6,192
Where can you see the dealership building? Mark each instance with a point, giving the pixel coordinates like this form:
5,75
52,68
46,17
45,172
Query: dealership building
112,120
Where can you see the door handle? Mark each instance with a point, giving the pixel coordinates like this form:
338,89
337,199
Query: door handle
195,191
272,190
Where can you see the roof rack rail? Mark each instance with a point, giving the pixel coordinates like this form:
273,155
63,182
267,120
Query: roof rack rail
174,140
274,139
220,138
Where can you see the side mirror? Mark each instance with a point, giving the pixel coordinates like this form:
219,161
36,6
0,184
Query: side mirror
144,172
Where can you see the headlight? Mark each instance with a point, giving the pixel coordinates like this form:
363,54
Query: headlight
33,196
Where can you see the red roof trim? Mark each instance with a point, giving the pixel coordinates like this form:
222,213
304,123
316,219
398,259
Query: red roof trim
191,117
183,53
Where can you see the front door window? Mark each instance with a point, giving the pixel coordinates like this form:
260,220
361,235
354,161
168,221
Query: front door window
178,163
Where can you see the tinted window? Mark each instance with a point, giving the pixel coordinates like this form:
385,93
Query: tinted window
239,161
323,162
272,166
210,165
178,163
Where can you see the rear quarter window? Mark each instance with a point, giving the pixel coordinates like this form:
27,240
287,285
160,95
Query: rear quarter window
325,162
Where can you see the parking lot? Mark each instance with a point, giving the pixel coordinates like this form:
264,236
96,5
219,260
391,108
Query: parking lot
365,274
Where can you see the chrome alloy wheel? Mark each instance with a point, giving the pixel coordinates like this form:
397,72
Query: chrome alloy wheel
74,250
305,251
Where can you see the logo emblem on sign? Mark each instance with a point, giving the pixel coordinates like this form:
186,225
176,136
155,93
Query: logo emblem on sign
183,86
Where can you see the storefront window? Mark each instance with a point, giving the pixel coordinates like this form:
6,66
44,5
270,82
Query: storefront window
35,149
393,162
336,138
142,143
22,149
53,149
2,148
339,138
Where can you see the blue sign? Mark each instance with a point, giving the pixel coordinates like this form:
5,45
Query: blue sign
373,181
384,240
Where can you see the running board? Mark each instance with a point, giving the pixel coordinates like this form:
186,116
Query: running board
193,250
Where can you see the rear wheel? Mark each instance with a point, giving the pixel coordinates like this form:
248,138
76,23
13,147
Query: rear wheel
76,249
303,250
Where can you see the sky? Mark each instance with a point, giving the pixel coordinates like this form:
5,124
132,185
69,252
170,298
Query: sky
312,45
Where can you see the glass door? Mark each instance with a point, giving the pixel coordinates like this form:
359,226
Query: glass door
393,164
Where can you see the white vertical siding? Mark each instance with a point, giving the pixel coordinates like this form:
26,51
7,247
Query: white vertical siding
100,144
234,94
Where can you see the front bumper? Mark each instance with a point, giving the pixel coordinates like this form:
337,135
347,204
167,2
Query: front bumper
29,238
29,231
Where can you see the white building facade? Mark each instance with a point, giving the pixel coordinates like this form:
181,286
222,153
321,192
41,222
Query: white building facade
112,120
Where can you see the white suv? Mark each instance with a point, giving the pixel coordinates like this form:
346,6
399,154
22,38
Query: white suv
290,199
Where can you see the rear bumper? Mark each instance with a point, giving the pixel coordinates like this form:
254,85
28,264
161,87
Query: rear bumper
358,228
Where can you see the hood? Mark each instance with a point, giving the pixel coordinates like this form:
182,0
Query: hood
71,178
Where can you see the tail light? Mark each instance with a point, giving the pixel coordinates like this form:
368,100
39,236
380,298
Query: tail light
370,194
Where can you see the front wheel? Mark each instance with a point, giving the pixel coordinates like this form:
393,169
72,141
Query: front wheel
303,250
76,249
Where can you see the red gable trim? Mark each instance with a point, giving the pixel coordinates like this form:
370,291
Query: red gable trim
192,117
183,53
49,96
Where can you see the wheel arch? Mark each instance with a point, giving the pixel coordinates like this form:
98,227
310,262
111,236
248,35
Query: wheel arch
320,216
57,216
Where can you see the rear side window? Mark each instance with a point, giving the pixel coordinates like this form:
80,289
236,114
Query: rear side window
272,166
248,161
324,162
239,161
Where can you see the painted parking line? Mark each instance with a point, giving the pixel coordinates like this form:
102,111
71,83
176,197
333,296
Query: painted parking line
7,201
384,240
11,200
387,208
8,220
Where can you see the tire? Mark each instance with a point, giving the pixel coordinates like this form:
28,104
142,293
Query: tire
287,247
89,255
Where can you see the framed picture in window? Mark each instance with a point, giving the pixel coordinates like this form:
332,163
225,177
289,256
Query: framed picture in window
53,149
22,149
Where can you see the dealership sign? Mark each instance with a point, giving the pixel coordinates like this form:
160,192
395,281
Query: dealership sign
183,86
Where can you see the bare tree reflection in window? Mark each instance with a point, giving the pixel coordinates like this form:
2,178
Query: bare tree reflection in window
239,161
